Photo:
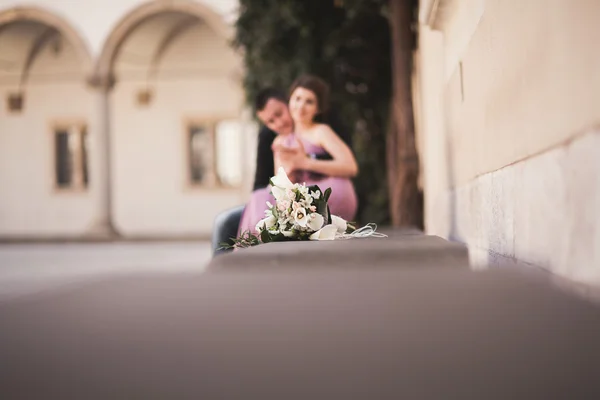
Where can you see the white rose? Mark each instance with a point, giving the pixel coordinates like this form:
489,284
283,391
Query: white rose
281,180
315,221
326,233
339,223
281,183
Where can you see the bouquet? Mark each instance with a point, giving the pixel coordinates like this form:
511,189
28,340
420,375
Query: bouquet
300,212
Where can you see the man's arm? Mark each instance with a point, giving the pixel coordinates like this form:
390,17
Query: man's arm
264,158
265,164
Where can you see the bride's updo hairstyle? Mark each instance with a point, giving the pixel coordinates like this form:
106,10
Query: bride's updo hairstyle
316,85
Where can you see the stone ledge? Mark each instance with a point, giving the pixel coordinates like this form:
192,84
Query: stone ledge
312,334
401,249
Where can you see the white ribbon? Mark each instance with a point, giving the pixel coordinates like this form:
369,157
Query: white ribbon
366,231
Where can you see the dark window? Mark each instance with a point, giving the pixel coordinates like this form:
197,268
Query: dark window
64,159
70,155
199,154
214,153
84,156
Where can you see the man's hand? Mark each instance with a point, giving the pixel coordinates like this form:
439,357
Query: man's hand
290,158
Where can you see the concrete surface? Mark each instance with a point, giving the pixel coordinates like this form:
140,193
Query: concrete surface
378,333
26,269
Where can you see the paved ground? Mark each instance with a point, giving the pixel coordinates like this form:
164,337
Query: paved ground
399,317
31,268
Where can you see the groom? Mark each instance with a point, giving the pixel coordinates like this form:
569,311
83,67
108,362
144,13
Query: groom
272,110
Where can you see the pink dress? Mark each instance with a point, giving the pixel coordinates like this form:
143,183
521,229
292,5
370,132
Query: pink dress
343,201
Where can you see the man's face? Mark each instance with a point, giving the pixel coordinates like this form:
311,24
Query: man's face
276,117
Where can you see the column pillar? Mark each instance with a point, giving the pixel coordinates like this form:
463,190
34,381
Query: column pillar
100,158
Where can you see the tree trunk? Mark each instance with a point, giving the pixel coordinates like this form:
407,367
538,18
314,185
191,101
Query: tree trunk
402,157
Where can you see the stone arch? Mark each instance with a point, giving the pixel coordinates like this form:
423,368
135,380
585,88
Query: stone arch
53,21
110,50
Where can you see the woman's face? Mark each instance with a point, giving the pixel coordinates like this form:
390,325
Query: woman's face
303,105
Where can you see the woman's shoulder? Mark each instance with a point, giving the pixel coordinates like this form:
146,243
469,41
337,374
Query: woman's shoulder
322,128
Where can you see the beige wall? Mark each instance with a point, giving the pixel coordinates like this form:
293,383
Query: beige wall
29,204
519,88
433,144
151,193
145,191
530,79
95,19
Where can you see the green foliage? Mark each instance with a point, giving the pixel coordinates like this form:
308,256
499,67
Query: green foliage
246,239
349,47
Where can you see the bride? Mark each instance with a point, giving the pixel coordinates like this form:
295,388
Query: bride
309,98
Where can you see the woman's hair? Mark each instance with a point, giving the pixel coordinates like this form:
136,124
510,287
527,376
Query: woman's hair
316,85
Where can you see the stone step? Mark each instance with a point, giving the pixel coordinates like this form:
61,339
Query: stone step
317,333
401,249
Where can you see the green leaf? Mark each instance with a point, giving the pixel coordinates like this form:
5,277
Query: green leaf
313,189
225,246
327,194
322,208
265,236
246,239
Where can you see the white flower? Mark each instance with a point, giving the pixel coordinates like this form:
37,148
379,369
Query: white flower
300,217
281,183
315,221
281,180
316,195
305,201
278,193
326,233
267,223
339,223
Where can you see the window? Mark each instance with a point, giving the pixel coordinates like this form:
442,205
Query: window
214,155
15,103
229,154
200,155
70,157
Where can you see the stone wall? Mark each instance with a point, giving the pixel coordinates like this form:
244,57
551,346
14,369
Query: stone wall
509,131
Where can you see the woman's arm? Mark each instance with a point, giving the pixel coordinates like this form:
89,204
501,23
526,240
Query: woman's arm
343,163
278,148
